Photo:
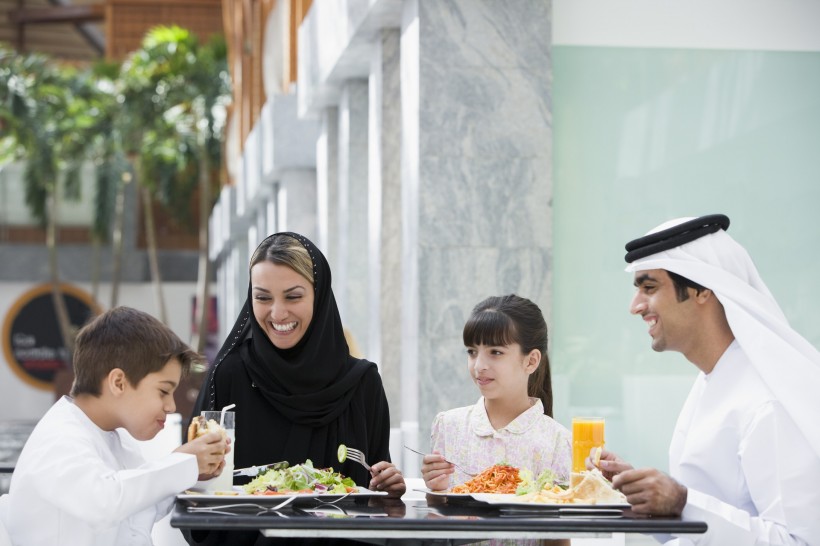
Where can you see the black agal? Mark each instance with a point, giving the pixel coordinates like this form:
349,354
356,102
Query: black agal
675,236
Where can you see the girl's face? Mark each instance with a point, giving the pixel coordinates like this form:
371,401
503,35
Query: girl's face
282,303
501,371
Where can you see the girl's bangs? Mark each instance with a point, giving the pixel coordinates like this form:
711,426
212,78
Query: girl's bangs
489,327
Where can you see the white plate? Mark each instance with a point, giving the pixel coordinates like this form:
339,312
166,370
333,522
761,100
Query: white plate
242,497
517,501
445,494
510,500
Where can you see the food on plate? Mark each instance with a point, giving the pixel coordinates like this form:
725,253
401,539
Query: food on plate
588,488
200,427
301,478
531,484
499,478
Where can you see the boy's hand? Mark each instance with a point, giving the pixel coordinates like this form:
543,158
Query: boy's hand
386,477
210,451
436,471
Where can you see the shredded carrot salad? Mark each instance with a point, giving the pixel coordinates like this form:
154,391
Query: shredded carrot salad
498,478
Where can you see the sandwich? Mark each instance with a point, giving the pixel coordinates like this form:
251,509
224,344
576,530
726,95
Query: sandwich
200,427
593,488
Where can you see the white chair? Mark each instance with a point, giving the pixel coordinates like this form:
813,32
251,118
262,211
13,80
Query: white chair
5,539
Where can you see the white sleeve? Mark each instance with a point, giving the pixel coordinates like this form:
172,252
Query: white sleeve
782,473
85,486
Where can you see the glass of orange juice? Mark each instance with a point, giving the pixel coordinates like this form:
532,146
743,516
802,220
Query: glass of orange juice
587,432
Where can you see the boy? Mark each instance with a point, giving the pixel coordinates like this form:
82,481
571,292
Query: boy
80,479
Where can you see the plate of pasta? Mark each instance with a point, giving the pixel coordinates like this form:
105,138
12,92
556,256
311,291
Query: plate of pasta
505,486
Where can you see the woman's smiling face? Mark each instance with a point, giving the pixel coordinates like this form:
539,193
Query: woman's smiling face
282,303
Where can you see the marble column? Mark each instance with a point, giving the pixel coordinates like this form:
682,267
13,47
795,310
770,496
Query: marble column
327,183
476,179
384,241
296,202
350,274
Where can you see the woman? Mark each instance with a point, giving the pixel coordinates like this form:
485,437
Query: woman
287,367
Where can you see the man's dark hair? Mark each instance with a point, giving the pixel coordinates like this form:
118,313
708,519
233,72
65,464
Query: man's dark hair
682,284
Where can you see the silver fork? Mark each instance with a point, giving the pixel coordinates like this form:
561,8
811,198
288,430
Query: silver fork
221,507
356,455
445,460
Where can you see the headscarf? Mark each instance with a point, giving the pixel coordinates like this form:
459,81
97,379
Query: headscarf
311,383
787,363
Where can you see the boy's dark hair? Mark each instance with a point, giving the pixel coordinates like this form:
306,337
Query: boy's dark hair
682,284
128,339
502,320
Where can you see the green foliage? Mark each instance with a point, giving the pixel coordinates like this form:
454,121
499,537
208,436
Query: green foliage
174,92
163,107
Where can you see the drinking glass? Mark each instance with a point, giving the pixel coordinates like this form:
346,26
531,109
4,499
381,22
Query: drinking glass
223,482
587,433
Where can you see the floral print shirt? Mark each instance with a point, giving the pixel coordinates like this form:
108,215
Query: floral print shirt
532,440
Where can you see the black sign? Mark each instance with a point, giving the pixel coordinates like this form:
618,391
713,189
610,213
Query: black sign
32,340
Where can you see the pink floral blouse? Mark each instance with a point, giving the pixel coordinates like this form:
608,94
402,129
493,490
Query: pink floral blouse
532,440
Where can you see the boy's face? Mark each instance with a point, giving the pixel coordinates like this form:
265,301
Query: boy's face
145,406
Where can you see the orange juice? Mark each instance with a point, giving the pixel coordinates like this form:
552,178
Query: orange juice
587,432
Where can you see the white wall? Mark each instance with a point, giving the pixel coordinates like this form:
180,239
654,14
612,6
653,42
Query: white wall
785,25
18,400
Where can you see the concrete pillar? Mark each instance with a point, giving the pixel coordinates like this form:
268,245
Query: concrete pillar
350,274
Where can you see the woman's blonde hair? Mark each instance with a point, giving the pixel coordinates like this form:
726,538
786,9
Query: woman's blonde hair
285,250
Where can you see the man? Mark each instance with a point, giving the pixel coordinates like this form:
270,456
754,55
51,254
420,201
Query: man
745,453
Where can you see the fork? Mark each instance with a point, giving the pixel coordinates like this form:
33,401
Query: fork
445,460
355,455
219,508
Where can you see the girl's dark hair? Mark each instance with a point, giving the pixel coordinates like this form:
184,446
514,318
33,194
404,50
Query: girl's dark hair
503,320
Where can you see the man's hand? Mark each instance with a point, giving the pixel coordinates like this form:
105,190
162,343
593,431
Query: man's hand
650,491
608,463
210,451
436,471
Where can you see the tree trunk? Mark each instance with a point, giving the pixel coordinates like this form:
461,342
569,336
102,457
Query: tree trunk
153,259
95,267
116,239
204,271
63,320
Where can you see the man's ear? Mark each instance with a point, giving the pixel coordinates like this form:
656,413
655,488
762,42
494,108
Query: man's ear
116,382
704,295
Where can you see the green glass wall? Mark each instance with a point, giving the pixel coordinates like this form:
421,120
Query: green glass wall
645,135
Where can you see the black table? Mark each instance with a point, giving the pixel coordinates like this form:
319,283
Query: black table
417,522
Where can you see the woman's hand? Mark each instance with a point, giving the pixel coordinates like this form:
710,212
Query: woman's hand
210,451
386,477
436,471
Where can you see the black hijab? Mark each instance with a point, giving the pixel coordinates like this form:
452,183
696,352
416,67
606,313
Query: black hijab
311,383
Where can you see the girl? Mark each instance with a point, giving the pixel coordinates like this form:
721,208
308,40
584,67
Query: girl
506,341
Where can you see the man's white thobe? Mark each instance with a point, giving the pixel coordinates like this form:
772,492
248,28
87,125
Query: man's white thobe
76,484
752,475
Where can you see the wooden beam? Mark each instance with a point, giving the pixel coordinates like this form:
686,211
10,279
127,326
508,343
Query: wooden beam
58,14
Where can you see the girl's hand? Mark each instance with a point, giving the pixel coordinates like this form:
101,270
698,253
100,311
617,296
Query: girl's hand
609,464
386,477
436,471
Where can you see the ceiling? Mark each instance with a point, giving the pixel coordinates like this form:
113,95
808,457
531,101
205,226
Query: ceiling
76,36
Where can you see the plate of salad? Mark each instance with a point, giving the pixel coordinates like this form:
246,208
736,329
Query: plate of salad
283,481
